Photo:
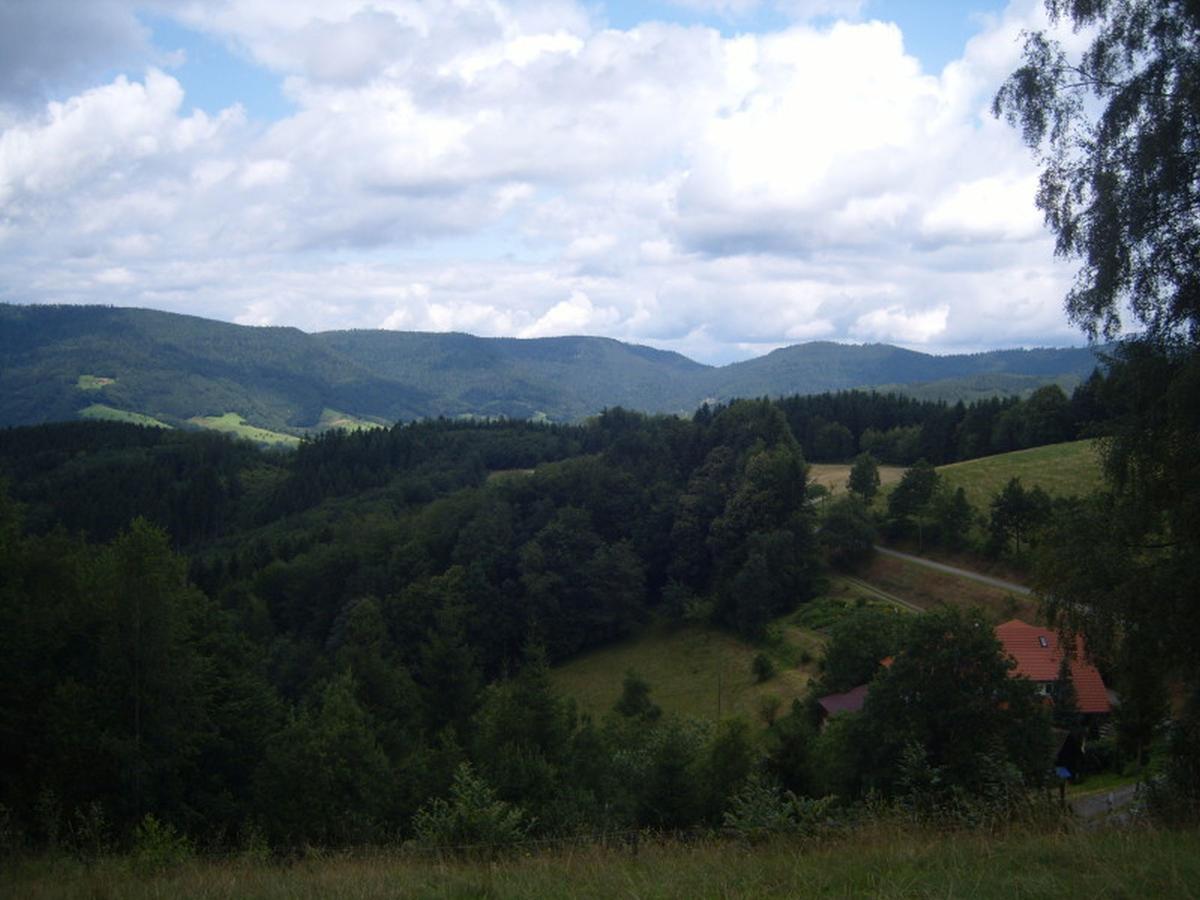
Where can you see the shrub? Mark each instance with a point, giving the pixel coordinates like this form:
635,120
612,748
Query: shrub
472,819
763,668
158,846
760,810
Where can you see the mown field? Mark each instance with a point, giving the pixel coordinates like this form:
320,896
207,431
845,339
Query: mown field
1058,469
834,475
888,861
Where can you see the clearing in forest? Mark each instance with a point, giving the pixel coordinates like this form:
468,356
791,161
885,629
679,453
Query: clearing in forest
233,423
112,414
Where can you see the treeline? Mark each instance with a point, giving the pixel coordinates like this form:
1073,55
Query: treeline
900,430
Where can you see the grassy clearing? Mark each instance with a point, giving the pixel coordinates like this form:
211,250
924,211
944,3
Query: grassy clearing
835,475
928,588
234,424
332,418
685,663
1058,469
842,597
111,414
504,474
886,861
690,668
93,382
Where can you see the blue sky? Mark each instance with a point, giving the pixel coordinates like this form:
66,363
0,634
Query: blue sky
718,177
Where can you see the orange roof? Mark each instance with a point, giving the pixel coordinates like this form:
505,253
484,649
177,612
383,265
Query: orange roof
1038,654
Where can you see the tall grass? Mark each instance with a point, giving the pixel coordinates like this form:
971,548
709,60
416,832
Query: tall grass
880,861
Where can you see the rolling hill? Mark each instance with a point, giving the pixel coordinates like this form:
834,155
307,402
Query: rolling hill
56,361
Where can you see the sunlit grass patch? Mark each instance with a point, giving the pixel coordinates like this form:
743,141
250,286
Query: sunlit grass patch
233,423
111,414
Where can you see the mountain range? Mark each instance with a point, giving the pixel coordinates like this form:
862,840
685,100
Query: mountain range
58,362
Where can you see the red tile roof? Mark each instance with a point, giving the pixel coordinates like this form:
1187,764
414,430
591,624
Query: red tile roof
1037,653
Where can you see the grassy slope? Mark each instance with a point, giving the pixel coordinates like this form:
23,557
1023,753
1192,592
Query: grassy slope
886,861
1059,469
108,413
684,663
234,424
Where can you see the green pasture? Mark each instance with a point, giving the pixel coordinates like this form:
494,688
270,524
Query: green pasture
111,414
93,382
332,418
233,423
699,670
693,669
1059,469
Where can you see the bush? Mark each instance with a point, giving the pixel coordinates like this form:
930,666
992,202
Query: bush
763,668
760,810
473,819
158,846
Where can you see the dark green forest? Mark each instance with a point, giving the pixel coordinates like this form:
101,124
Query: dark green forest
193,627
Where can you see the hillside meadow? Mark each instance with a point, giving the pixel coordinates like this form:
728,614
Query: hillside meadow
1061,470
695,669
887,861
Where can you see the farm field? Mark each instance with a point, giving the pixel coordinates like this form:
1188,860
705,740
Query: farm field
111,414
885,860
834,475
1058,469
234,424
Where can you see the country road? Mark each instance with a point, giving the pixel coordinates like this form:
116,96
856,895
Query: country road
962,573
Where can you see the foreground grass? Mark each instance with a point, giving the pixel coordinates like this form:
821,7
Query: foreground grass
232,423
882,862
1059,469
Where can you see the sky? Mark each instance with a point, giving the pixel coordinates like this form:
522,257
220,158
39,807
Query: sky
715,177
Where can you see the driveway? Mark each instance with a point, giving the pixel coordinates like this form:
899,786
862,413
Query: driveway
1010,586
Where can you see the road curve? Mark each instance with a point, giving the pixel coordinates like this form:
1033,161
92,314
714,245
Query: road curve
1010,586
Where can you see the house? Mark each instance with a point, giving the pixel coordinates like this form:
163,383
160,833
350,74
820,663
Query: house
851,701
1038,654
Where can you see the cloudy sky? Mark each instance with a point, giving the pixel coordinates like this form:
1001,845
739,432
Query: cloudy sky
717,177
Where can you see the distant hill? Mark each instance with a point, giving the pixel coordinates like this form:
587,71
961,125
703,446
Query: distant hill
57,361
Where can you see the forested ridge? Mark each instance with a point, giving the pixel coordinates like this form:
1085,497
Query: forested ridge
56,361
193,626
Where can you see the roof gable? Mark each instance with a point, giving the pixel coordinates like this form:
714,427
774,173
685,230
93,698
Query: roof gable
1038,653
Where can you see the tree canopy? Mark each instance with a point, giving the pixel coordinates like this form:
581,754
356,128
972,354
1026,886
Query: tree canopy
1117,131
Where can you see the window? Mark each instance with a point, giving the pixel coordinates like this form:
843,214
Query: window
1042,640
